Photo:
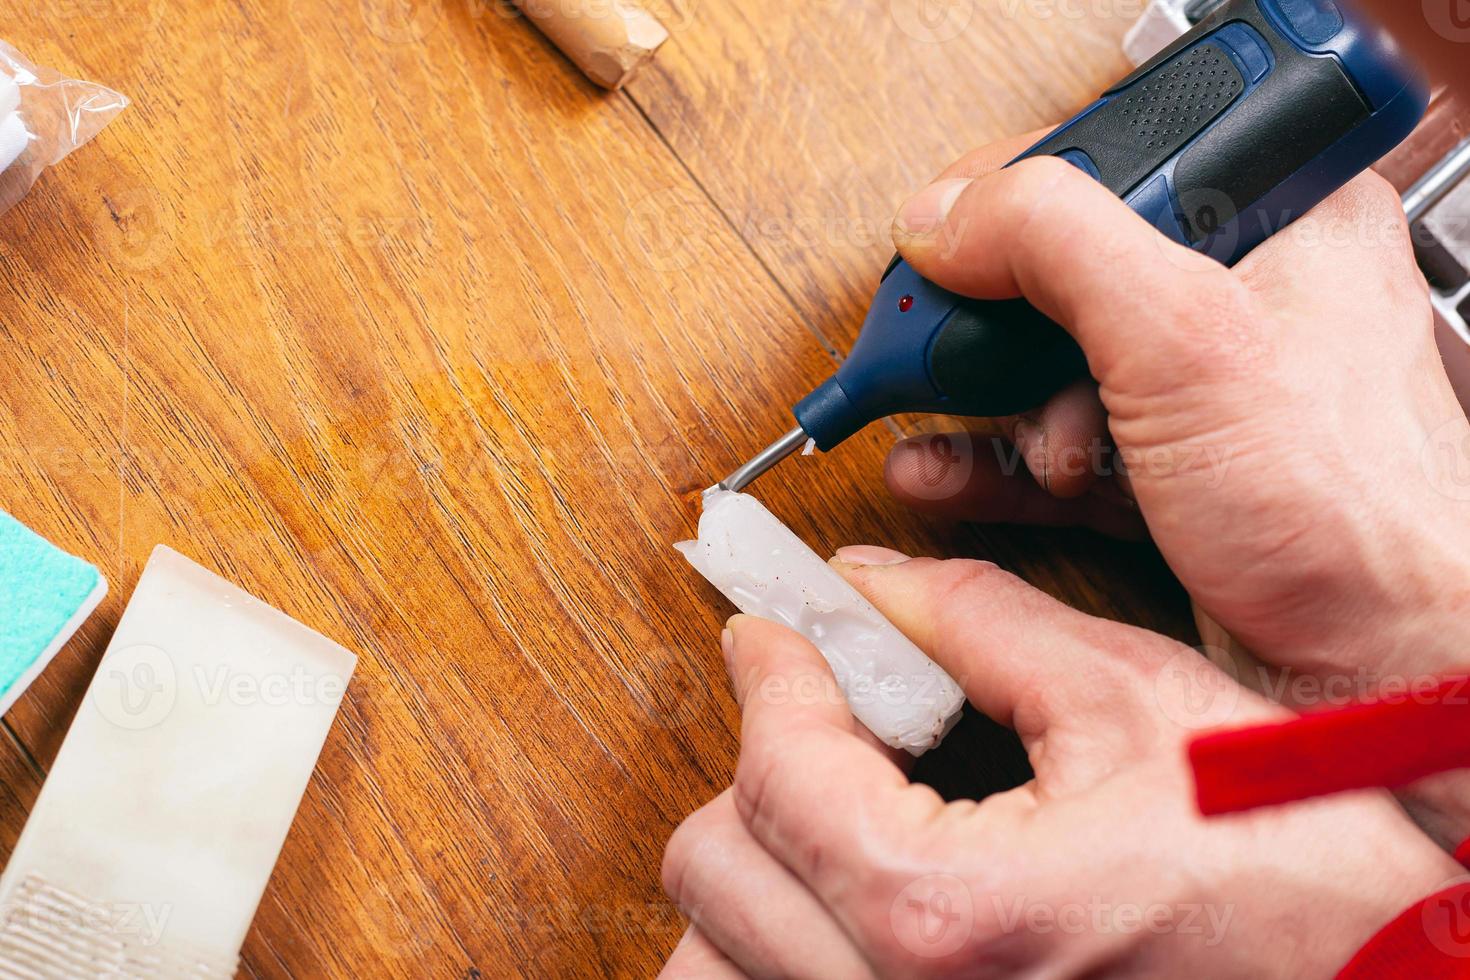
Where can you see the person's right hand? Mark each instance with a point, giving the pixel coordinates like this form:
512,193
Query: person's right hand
1292,442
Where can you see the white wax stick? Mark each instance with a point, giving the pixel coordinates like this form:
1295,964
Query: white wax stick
901,695
9,95
153,837
14,138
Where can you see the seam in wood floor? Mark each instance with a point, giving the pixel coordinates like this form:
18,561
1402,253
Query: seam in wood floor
832,352
815,331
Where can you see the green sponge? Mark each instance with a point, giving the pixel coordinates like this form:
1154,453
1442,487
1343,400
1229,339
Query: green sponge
45,596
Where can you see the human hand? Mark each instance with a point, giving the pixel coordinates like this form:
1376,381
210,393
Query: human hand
823,860
1293,444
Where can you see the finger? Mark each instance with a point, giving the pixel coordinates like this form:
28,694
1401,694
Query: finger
992,157
1060,678
984,481
1064,441
816,796
696,958
1083,693
1044,230
749,905
901,760
904,761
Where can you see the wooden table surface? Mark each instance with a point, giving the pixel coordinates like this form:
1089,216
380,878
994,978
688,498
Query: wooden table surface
381,311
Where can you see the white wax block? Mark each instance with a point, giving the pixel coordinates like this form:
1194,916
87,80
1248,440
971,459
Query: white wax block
901,695
153,838
14,138
9,95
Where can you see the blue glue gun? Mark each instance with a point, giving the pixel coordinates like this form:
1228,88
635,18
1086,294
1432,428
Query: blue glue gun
1250,120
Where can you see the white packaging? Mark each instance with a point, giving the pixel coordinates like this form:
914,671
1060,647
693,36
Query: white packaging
44,116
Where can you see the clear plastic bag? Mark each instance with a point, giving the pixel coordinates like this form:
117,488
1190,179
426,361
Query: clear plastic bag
43,117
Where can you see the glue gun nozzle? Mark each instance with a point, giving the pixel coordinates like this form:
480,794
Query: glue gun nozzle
767,459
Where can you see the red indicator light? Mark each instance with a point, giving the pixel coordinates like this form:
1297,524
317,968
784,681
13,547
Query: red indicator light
905,304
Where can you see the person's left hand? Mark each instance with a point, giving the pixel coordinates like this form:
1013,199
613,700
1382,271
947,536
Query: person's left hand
823,860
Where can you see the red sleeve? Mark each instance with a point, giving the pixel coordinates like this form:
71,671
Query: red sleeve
1390,742
1430,939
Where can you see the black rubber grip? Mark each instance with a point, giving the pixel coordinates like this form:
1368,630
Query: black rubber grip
1129,138
1220,15
1027,357
1303,107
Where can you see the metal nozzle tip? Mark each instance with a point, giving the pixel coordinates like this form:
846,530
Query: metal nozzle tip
767,459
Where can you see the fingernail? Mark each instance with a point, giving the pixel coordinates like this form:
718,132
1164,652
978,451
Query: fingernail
866,554
926,212
727,647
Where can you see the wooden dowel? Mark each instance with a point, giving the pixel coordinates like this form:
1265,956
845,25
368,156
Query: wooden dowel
607,39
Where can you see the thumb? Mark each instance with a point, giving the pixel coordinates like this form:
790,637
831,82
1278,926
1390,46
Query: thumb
1088,691
1144,308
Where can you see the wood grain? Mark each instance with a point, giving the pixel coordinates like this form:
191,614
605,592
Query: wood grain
810,123
389,316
